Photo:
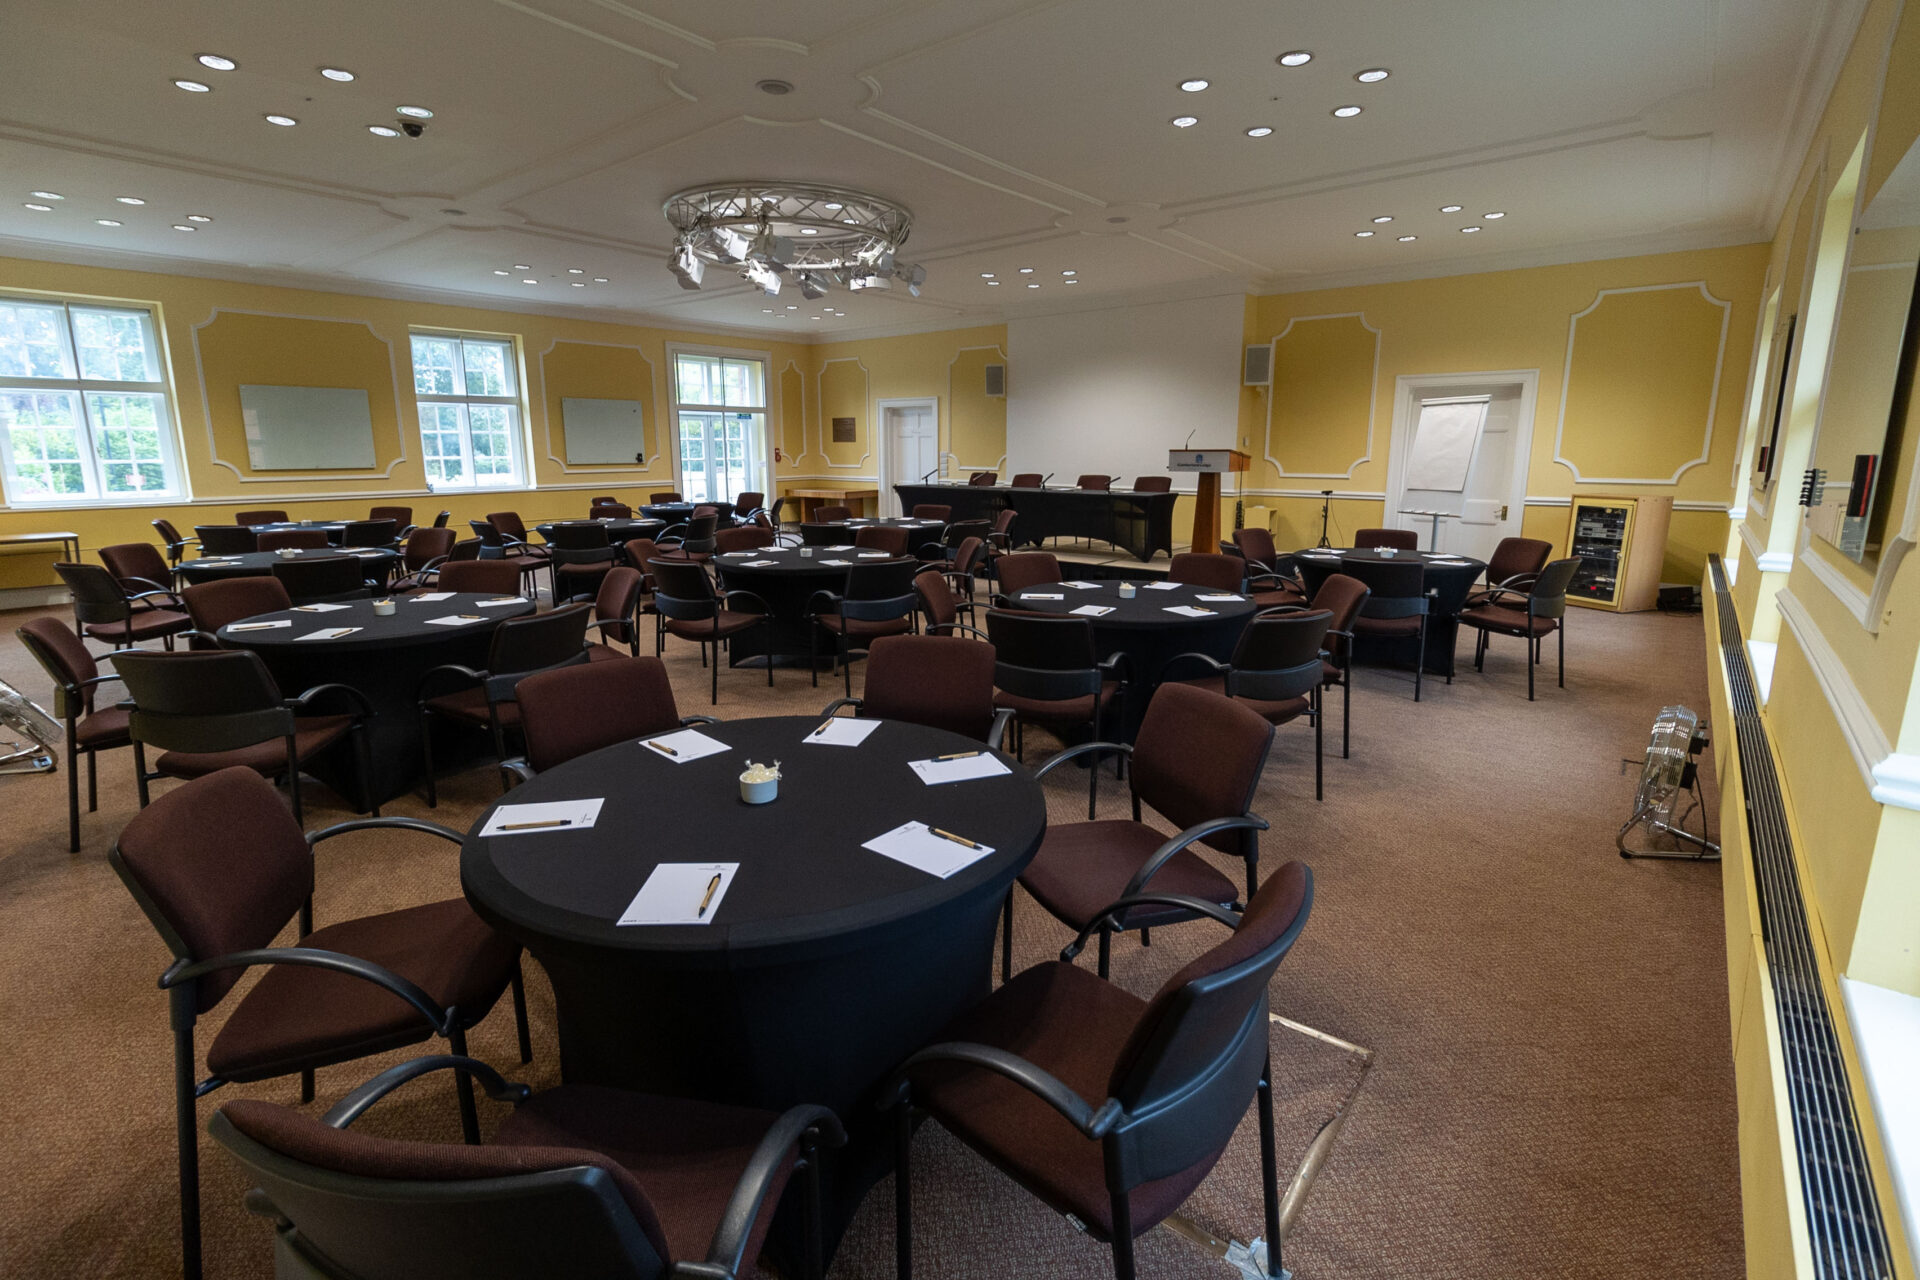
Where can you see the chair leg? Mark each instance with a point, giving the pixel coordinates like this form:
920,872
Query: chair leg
463,1089
1006,938
813,653
306,1086
810,1154
140,770
293,781
714,696
1319,749
1559,631
1269,1170
1346,713
73,792
186,1129
1533,660
1122,1235
364,755
846,662
426,756
1420,660
903,1189
520,1014
1106,949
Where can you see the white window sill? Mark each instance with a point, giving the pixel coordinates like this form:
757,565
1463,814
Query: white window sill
89,504
1886,1030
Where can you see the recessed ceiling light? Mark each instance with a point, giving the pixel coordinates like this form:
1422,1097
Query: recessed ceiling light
529,280
993,282
1449,208
217,63
184,226
600,280
499,272
40,208
578,284
1185,122
521,266
106,222
1385,217
1372,75
417,113
1404,239
809,231
766,311
1295,58
285,122
813,317
46,195
1346,112
852,222
198,217
383,131
1071,280
128,200
986,275
1361,235
1259,131
1467,231
1069,272
1492,217
1193,86
833,206
793,306
576,271
192,86
340,74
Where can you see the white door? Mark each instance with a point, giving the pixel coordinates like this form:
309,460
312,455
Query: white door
1489,512
913,446
1465,445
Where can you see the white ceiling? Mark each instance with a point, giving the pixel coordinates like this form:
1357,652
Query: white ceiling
1021,133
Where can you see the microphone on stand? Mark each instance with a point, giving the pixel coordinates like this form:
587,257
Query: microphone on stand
1045,478
1188,442
931,474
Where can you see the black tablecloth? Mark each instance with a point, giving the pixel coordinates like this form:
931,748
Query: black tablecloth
1449,578
674,512
334,529
374,563
618,530
1140,522
786,585
384,660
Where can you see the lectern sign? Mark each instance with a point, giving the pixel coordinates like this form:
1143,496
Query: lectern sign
1207,460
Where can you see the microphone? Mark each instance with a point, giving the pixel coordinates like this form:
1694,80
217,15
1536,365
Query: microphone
931,474
1188,443
1045,478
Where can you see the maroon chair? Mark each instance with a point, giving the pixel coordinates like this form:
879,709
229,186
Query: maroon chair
212,605
505,534
746,537
292,540
1531,615
319,579
219,868
1397,607
830,514
931,511
615,609
1109,1108
605,500
943,682
657,499
1208,569
688,605
1024,569
1271,577
877,600
574,710
1098,483
609,510
882,537
420,555
225,539
1196,761
1342,597
104,610
176,544
1277,670
138,566
402,517
1046,672
984,479
1028,480
942,605
261,517
581,554
1398,539
747,505
91,726
692,542
1515,563
493,577
1153,484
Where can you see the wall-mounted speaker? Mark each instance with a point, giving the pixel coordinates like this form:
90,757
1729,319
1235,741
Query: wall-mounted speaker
1258,370
997,380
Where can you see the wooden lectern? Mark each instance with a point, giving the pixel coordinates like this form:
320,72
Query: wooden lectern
1208,463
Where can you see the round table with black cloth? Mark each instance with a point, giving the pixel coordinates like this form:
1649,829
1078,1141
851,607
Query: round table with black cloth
334,529
374,563
384,660
786,585
619,530
671,512
1151,637
824,966
1450,580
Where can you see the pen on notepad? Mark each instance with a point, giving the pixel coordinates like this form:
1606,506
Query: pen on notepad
529,826
661,746
822,729
958,755
708,898
948,835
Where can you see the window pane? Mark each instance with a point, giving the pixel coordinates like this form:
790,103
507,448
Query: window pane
43,444
116,346
33,341
492,441
435,361
699,379
745,384
441,444
489,368
126,431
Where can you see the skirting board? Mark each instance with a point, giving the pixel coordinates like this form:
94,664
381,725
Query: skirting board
33,597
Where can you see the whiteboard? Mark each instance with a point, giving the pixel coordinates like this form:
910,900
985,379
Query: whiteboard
1443,439
307,428
604,430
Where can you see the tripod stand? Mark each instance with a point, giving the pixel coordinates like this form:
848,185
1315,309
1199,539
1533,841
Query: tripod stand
1325,495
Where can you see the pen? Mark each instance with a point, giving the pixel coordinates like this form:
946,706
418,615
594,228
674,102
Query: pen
959,755
711,886
948,835
529,826
659,746
822,729
468,617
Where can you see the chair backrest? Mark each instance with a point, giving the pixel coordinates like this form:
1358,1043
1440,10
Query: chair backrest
574,710
1398,539
960,530
1549,594
745,504
984,479
1343,597
829,513
968,554
638,551
423,546
878,590
261,517
747,537
1095,481
1003,520
225,539
655,499
494,577
604,500
1198,755
1256,544
401,516
821,535
1027,480
699,534
932,511
369,533
937,600
212,605
1278,657
219,865
1515,556
1188,1069
440,521
169,535
97,594
1152,484
1208,569
466,549
1397,588
773,512
204,700
682,590
1023,569
522,646
509,524
880,537
618,597
138,565
945,682
382,1208
291,539
610,511
312,580
64,657
1044,656
578,535
706,509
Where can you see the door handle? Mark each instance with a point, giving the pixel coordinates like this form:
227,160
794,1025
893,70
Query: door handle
1503,511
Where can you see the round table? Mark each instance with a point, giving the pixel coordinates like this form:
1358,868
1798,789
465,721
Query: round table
1449,580
619,529
823,967
670,512
384,660
375,562
334,529
786,579
1145,630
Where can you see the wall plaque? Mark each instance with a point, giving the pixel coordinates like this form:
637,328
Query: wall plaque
843,431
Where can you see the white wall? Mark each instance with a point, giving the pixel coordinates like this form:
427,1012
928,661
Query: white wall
1111,391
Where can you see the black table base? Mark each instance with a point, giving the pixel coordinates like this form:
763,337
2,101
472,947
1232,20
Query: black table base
1141,523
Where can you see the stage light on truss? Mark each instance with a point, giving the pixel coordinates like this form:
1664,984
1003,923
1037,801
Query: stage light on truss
727,244
763,277
911,274
687,267
812,284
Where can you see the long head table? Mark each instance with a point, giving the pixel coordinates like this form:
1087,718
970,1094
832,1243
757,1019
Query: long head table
1142,523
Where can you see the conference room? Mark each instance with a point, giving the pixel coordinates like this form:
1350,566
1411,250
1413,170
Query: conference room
992,639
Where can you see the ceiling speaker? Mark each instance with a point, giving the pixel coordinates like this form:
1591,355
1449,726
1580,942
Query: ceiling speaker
997,380
1258,371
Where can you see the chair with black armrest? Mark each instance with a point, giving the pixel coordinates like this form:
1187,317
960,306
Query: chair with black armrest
942,682
175,544
323,579
1396,606
1047,674
225,539
707,509
92,725
1109,1108
983,479
420,556
1277,669
616,607
1208,569
931,511
370,533
260,517
489,577
661,499
773,516
877,600
691,542
1532,615
104,610
1514,564
1272,579
1027,480
220,709
830,514
968,556
1153,484
609,511
1342,597
292,540
603,500
582,1180
746,537
891,539
1023,570
440,521
999,540
637,551
942,606
220,867
212,605
402,518
486,699
140,567
571,711
498,543
943,549
1196,761
815,534
581,554
687,604
1398,539
1095,483
747,505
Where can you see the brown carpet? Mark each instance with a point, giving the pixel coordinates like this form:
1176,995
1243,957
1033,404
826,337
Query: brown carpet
1552,1096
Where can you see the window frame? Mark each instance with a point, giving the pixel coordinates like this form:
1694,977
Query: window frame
87,426
519,475
759,445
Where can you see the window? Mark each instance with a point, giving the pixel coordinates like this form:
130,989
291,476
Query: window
83,405
720,404
468,392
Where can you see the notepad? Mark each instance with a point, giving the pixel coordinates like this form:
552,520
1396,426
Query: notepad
1163,586
499,602
1221,595
981,765
331,633
758,564
837,562
1081,586
841,732
369,551
554,815
260,626
681,893
1189,611
319,608
683,745
455,620
1036,595
915,844
845,546
432,597
874,555
1093,610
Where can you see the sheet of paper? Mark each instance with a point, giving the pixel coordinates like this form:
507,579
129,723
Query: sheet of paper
915,844
758,564
1218,595
369,551
318,608
554,815
1081,586
1040,595
431,597
499,602
330,633
935,772
683,745
845,546
681,893
841,732
1189,611
837,562
456,620
1093,610
1163,586
260,626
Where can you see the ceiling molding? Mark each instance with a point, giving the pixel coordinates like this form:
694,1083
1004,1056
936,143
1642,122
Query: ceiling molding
1830,38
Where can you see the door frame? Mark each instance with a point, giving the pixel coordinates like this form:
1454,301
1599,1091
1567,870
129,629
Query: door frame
882,463
768,430
1407,391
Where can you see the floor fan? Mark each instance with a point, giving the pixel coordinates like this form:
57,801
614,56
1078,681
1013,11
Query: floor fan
1670,772
36,733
